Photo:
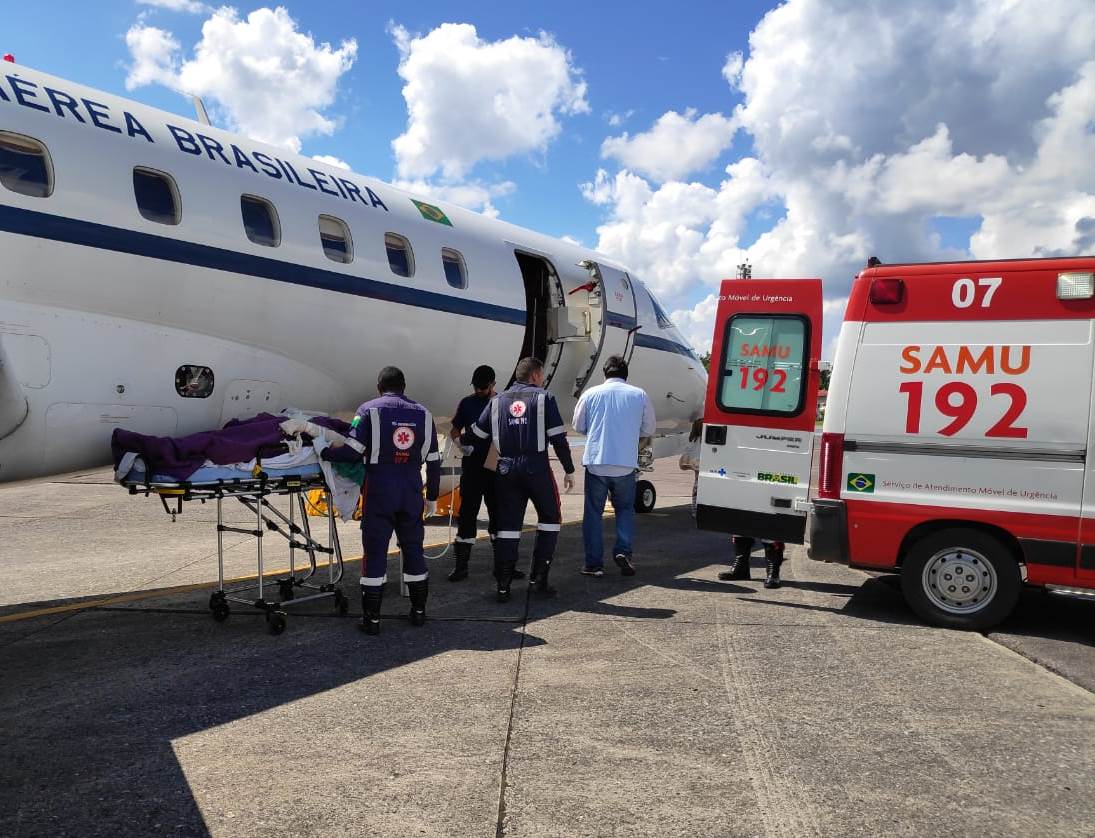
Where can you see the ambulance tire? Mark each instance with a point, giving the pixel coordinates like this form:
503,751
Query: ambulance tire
969,559
645,496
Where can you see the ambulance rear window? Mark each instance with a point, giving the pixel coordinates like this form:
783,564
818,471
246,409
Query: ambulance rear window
763,359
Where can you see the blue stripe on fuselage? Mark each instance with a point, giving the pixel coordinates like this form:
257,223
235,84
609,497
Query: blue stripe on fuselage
103,237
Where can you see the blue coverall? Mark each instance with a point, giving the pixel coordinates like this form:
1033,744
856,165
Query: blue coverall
521,421
399,436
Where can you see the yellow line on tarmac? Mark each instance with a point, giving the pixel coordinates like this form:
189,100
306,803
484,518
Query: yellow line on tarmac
153,593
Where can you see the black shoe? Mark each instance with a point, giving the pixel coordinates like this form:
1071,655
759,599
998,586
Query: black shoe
461,554
624,561
738,570
370,626
371,599
503,595
773,559
538,582
419,592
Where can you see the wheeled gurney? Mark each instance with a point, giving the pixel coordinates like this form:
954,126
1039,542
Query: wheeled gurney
255,489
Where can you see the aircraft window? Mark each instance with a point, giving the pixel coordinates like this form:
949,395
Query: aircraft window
260,220
194,382
334,235
157,196
25,166
400,257
455,273
763,365
663,319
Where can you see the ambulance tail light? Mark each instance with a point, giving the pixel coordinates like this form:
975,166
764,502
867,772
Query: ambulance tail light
887,292
1075,286
831,466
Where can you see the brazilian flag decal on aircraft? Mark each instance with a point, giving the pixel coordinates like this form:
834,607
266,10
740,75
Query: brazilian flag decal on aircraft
431,213
862,483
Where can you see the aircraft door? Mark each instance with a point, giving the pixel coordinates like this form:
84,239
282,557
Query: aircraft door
611,301
761,409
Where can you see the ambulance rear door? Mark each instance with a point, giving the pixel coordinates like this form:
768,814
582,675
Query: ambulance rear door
761,409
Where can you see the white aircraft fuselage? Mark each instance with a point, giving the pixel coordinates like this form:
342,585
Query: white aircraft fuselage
109,319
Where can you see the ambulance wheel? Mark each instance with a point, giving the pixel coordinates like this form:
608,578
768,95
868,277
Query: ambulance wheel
962,579
645,496
275,622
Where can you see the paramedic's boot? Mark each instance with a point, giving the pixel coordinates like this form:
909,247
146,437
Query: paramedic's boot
739,567
462,553
503,574
773,556
371,597
419,592
538,582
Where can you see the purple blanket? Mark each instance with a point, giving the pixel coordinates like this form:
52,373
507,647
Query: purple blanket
237,442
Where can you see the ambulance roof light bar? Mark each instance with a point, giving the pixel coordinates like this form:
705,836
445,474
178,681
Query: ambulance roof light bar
1075,286
887,291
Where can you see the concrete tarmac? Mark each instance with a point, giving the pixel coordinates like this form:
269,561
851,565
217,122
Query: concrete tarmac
663,704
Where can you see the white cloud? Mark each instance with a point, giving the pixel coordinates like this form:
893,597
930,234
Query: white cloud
731,70
470,100
331,161
265,78
472,195
675,146
189,6
615,120
864,149
154,53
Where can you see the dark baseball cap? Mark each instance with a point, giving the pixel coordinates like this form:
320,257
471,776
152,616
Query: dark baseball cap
483,377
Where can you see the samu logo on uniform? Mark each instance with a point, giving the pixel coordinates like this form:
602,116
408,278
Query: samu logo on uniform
403,438
517,409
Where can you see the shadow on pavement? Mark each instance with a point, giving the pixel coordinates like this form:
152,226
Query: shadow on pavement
91,704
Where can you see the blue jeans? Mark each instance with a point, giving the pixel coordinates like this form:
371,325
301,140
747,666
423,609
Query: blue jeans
598,489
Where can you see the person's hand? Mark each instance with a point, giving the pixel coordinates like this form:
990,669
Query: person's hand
568,482
454,433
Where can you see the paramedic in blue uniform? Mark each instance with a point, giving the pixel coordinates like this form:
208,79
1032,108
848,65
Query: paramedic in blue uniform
521,421
398,435
476,481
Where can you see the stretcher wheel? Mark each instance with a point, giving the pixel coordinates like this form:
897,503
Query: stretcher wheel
285,589
341,603
275,622
645,496
220,610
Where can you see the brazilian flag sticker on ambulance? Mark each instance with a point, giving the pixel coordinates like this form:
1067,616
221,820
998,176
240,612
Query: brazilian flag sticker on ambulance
862,483
431,213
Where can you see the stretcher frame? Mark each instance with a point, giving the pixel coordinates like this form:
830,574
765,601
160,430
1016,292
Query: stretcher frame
255,493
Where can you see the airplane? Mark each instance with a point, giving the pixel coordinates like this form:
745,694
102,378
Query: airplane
164,276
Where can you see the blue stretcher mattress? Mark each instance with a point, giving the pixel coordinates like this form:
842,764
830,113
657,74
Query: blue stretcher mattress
212,474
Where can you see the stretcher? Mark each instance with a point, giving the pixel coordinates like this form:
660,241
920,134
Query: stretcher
255,489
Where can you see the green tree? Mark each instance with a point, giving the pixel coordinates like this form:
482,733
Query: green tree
705,359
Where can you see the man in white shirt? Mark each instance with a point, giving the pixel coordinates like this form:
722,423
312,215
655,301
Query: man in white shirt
613,416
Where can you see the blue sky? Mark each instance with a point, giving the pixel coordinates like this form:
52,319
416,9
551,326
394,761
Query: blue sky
680,138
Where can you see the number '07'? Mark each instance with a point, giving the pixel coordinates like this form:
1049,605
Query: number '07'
965,293
958,402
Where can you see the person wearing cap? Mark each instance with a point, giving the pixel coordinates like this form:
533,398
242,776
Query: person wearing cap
476,480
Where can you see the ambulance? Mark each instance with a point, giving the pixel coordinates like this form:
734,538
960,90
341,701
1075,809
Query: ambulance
956,434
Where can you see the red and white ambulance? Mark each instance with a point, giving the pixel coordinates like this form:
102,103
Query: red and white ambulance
957,432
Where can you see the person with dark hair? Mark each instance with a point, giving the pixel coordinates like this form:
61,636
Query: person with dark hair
613,416
476,480
399,436
521,421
